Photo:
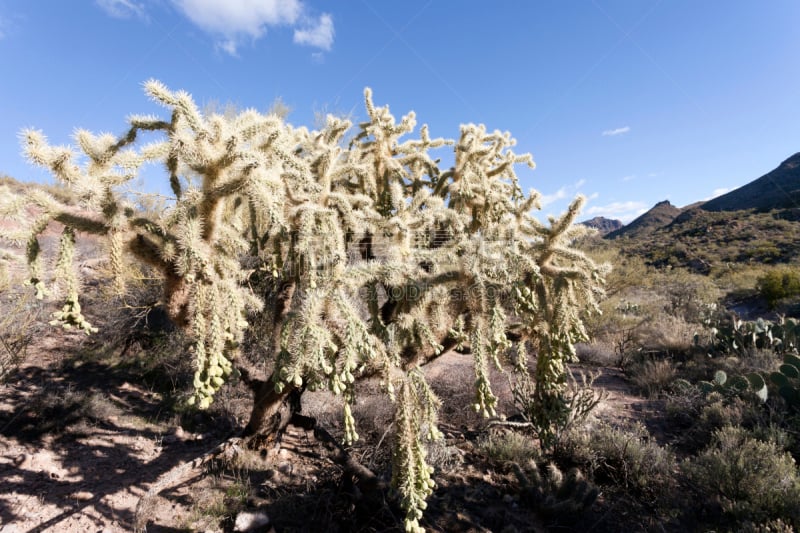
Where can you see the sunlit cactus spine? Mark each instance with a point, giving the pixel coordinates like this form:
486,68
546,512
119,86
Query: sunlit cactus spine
341,255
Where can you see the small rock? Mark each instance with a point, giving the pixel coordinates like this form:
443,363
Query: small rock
251,522
286,468
83,495
508,498
177,435
22,460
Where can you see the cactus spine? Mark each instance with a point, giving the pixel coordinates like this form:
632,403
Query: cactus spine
354,258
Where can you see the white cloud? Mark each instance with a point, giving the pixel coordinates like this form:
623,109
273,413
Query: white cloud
624,211
629,177
228,46
567,191
319,36
617,131
122,9
234,22
548,199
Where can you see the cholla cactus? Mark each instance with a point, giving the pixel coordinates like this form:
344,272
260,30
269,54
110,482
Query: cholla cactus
354,259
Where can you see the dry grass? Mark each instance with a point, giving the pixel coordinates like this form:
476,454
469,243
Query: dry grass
652,377
510,446
20,320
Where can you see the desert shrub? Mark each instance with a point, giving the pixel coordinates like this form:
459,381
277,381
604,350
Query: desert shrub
509,446
666,333
630,271
717,413
662,312
778,284
738,279
698,414
599,353
651,377
137,333
762,251
580,398
690,296
620,328
20,314
442,456
743,479
556,496
628,460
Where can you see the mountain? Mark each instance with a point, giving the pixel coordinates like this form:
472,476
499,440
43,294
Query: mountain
757,223
603,225
660,215
779,189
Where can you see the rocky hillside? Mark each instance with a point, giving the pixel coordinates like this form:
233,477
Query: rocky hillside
758,222
659,216
603,225
779,189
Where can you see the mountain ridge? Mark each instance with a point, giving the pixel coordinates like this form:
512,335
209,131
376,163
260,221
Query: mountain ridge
757,222
777,189
603,225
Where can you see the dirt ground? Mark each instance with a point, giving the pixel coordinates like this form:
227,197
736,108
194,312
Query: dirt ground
81,441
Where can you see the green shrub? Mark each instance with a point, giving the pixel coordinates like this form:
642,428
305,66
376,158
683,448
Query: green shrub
779,284
745,480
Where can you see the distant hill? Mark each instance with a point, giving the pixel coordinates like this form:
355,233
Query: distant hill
756,223
603,225
779,189
659,216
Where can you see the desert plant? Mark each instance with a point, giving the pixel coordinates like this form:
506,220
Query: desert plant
556,495
353,259
626,458
744,338
736,385
652,376
19,320
580,398
509,446
787,379
778,284
749,480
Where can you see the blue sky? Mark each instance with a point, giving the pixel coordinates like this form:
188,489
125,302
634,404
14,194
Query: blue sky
629,102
